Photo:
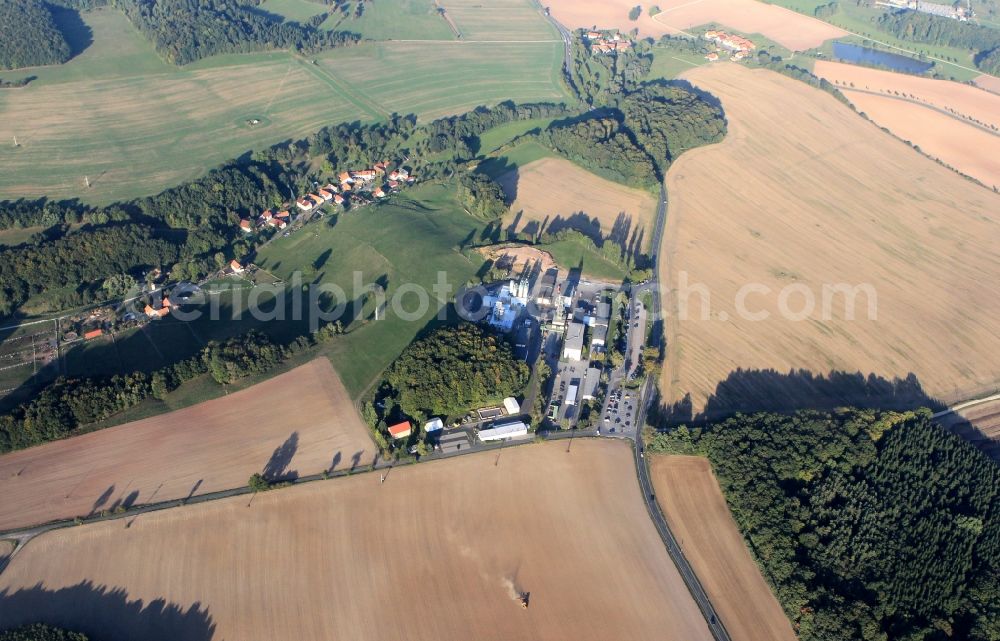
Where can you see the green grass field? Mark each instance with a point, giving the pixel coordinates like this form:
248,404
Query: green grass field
669,62
491,140
400,20
572,253
517,156
294,10
500,20
405,242
135,125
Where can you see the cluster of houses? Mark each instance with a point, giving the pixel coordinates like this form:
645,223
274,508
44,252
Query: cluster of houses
352,185
606,43
739,46
278,220
377,181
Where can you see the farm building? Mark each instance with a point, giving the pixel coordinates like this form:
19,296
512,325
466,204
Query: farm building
573,346
433,425
511,405
94,333
515,429
400,430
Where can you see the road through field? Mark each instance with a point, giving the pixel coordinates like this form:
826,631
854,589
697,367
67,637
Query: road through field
302,421
698,515
445,546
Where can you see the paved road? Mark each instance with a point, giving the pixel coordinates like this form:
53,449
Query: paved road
694,586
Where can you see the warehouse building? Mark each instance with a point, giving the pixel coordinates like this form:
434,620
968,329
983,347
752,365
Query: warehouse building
515,429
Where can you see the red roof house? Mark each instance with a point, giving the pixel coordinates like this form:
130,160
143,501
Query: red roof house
400,430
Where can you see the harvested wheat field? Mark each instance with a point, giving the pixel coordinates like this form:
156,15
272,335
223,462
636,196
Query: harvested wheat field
989,83
964,100
551,194
301,422
696,510
804,194
956,123
786,27
972,150
979,424
437,552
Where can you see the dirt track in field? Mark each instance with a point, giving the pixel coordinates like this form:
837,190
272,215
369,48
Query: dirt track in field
979,424
786,27
698,515
299,421
433,553
553,194
804,194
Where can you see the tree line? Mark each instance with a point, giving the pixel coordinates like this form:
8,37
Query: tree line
29,36
913,26
869,525
70,403
40,632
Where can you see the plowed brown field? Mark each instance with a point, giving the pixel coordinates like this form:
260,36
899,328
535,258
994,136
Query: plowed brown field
804,194
432,553
786,27
555,194
697,513
301,421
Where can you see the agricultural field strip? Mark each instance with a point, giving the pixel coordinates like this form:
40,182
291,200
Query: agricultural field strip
622,584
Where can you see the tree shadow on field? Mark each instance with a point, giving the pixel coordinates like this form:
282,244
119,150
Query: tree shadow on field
276,468
746,391
77,34
105,613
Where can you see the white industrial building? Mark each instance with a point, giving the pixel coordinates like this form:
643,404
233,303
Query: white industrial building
571,394
511,405
507,304
516,429
433,425
573,345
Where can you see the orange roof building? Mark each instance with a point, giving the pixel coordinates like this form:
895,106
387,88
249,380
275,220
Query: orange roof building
236,267
246,226
94,333
400,430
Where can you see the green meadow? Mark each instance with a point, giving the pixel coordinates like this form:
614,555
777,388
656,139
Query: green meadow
133,125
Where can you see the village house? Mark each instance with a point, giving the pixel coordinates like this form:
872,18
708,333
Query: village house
337,198
400,430
277,222
305,204
327,196
164,309
366,175
235,266
245,226
378,192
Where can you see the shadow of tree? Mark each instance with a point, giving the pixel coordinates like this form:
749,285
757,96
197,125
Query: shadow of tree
772,391
105,613
276,468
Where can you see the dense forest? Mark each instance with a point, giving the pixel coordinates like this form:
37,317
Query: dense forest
453,369
921,27
869,525
29,36
40,632
71,403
